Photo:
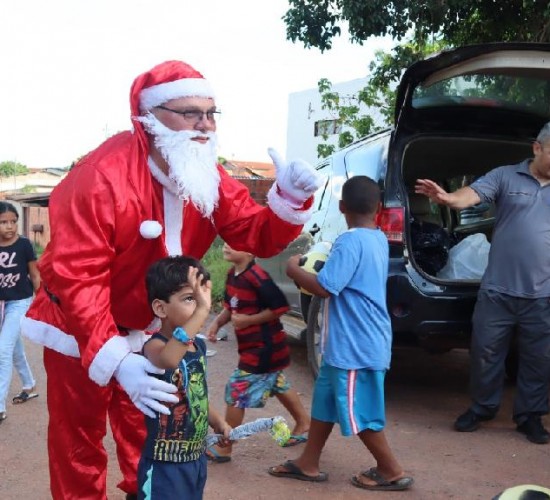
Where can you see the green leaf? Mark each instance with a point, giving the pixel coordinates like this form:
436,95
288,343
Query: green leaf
11,168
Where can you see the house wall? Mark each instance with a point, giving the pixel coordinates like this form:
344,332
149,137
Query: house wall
304,110
37,218
258,188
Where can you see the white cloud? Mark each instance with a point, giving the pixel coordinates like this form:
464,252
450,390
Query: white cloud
67,67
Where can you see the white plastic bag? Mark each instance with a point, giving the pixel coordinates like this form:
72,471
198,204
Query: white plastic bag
467,259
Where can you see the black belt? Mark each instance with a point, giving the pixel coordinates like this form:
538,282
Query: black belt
52,297
56,300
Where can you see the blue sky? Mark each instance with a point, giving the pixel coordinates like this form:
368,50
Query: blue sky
67,67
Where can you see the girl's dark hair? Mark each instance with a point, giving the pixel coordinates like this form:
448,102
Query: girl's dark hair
361,195
8,207
167,276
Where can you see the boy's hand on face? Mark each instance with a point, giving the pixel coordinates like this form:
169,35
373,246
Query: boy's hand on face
202,289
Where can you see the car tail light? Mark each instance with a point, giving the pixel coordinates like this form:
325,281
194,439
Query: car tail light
390,220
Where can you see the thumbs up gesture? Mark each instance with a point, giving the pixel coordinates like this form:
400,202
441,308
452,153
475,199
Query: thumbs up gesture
297,180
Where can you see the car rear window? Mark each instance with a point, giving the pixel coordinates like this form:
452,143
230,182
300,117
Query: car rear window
529,93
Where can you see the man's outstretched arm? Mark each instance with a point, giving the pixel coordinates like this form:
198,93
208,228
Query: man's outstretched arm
461,198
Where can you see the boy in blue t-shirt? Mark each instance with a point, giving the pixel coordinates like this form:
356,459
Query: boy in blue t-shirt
173,461
356,344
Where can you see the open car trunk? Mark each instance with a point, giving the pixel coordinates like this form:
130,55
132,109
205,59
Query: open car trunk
445,244
458,115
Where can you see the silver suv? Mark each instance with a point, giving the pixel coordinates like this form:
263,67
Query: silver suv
458,114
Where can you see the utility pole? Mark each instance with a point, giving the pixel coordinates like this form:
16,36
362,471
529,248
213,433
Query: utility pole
14,175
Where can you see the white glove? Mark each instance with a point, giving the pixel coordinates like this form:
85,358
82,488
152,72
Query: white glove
145,391
297,180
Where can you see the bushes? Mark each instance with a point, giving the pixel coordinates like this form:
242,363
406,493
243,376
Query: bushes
217,267
38,249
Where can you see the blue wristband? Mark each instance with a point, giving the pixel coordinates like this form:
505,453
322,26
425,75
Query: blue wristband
181,335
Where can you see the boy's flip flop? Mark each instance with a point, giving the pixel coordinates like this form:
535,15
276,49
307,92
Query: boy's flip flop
294,472
295,439
23,397
381,484
213,456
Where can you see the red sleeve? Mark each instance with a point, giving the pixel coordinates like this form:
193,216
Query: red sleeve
79,256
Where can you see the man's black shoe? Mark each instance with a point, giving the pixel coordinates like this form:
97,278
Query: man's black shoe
534,430
469,421
131,496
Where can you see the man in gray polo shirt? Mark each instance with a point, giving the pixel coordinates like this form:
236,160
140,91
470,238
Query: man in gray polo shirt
514,291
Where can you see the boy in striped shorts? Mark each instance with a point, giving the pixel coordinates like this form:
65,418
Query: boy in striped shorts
253,303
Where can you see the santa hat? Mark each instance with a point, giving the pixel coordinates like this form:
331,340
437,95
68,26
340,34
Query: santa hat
166,81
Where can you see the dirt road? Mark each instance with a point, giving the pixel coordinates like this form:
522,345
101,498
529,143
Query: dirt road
424,395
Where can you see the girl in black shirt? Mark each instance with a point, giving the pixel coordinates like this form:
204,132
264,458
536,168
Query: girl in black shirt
19,278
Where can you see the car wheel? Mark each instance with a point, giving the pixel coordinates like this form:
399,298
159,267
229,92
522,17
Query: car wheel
305,300
313,335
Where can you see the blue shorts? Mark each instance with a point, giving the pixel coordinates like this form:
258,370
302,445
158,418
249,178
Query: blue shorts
252,390
158,479
352,398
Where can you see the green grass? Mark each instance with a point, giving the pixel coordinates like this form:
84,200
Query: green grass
217,267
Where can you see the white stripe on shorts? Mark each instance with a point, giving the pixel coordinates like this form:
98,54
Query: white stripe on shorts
352,379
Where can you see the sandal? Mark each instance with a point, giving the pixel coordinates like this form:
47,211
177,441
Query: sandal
213,456
295,439
294,472
23,397
381,484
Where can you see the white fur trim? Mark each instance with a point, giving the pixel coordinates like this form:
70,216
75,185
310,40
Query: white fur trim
173,210
136,339
173,217
108,358
105,361
49,336
163,92
161,177
150,229
282,208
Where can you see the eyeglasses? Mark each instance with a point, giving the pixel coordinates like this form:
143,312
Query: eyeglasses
194,116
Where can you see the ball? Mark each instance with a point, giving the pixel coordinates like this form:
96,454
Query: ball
524,492
314,260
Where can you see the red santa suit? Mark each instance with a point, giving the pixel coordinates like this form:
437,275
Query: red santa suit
92,309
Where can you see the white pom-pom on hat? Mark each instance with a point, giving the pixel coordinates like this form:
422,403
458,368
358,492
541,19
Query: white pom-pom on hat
150,229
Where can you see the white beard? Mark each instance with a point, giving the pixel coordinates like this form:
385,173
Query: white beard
192,165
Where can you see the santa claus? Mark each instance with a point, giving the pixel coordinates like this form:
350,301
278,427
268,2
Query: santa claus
138,197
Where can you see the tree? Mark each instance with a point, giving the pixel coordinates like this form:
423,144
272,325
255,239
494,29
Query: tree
419,28
11,168
379,93
316,22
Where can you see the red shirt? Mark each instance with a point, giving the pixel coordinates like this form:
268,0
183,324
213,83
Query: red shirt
262,348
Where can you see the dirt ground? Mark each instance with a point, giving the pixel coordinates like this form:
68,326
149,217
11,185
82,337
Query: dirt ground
424,392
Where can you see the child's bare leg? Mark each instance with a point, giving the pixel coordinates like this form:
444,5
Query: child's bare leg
308,461
386,463
233,416
291,401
